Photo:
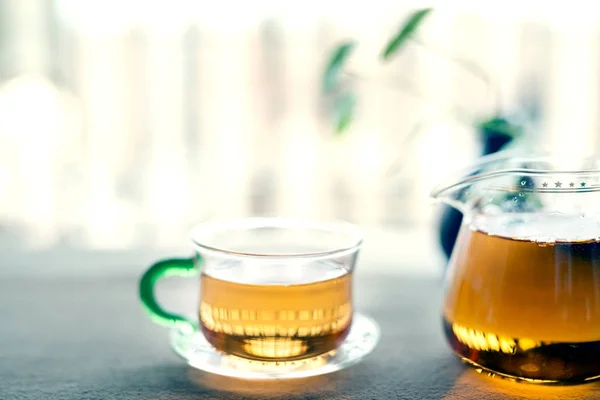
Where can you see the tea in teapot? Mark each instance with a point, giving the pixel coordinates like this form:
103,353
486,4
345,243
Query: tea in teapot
523,286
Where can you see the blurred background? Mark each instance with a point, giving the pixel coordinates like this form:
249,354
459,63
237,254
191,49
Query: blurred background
122,123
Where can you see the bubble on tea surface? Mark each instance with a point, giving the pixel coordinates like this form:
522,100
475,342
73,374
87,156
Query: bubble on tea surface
492,209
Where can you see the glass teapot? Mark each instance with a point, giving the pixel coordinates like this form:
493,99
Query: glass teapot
522,291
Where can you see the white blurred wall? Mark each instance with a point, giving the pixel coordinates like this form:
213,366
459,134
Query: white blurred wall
126,121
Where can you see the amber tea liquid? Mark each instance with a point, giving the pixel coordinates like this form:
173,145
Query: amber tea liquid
277,313
526,307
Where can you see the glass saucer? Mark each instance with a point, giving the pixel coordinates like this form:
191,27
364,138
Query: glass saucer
361,340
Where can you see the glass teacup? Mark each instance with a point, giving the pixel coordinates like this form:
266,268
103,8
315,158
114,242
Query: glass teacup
275,298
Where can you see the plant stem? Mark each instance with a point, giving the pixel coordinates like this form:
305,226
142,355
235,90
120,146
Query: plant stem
470,67
403,85
453,111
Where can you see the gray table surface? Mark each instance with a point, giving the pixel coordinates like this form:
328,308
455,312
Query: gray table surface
85,336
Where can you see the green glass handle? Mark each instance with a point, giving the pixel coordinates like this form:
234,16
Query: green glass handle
169,267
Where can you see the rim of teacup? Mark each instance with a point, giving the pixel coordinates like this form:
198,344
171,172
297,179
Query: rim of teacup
201,232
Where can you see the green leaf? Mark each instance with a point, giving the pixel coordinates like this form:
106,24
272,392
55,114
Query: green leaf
501,126
344,110
406,30
335,65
